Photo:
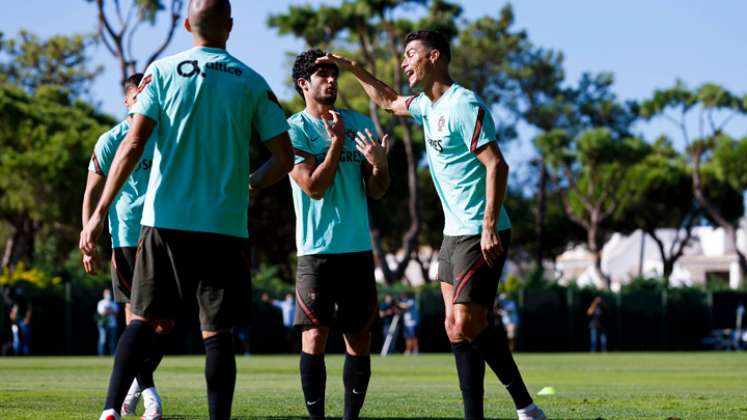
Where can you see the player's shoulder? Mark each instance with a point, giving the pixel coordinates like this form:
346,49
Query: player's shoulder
461,94
297,120
354,117
114,134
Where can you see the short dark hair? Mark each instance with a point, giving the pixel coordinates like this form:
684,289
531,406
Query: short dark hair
431,39
305,65
133,81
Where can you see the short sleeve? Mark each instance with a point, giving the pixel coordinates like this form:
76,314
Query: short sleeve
268,118
415,107
300,143
474,123
148,98
103,154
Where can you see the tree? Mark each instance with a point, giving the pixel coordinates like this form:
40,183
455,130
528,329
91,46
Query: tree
118,36
45,141
711,153
590,169
61,61
661,174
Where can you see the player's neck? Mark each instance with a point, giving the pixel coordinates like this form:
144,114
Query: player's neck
437,86
199,42
316,109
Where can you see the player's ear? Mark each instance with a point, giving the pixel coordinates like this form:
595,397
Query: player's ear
302,83
230,25
434,55
187,25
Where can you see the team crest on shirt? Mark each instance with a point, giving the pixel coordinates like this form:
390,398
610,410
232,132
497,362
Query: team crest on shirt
441,123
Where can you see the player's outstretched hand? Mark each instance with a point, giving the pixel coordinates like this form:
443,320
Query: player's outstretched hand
89,263
374,152
90,234
490,244
341,62
336,128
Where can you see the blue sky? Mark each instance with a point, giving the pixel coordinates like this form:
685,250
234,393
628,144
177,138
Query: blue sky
646,44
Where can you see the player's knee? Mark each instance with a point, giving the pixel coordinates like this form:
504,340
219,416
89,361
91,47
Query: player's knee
314,340
467,328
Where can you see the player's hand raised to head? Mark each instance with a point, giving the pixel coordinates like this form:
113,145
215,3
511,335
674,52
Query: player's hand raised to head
335,128
374,152
340,61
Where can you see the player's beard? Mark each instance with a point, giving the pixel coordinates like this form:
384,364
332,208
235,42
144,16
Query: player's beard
328,100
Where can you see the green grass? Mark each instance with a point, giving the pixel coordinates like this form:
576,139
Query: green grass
589,386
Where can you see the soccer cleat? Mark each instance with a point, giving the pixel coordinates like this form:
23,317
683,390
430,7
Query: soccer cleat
531,412
152,403
131,399
109,414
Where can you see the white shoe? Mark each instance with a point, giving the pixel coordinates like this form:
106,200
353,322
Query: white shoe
129,405
531,412
152,403
109,414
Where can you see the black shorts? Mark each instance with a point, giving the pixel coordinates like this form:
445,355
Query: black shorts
461,264
123,265
175,269
347,281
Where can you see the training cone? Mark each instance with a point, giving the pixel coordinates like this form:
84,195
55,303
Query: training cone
548,390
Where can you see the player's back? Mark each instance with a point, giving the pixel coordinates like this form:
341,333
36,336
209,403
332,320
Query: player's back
206,104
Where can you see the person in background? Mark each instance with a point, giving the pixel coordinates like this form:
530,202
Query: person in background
506,309
411,318
597,332
21,327
106,319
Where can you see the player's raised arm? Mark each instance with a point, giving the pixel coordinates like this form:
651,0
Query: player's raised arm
376,166
384,95
316,177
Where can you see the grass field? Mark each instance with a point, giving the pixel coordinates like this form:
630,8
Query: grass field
589,386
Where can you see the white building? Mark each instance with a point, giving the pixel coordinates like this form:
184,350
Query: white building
624,257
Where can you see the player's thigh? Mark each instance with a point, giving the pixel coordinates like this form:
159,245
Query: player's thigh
314,300
122,271
223,289
155,291
355,292
474,281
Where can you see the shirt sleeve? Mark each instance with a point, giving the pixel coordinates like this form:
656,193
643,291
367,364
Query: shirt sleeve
148,98
474,123
103,154
300,143
415,108
269,118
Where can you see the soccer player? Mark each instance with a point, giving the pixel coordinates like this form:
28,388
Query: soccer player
338,162
470,176
124,226
205,106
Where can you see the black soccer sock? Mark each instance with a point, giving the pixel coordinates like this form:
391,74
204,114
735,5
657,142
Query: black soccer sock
314,382
355,375
155,354
220,374
494,349
471,370
131,351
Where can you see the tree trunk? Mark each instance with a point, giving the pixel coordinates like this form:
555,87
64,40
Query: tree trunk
540,215
730,230
20,245
592,242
